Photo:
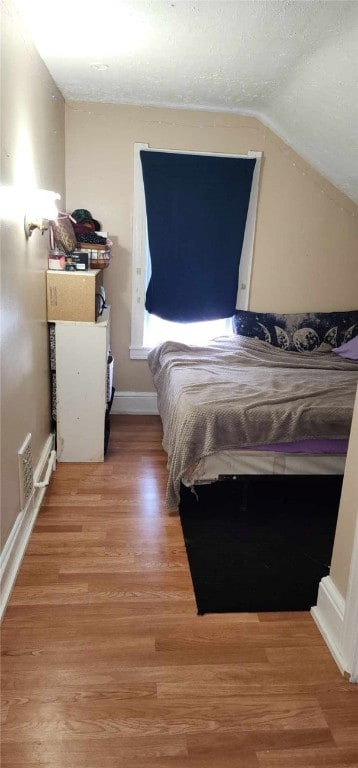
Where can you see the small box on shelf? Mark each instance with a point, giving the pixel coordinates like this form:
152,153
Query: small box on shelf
73,296
77,261
99,256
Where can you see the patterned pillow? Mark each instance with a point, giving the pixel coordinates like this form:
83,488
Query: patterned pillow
298,332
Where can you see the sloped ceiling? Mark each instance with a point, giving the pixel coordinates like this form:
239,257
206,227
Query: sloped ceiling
292,64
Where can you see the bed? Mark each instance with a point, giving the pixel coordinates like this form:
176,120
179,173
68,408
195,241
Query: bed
243,405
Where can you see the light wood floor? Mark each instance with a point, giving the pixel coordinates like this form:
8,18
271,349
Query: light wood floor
106,664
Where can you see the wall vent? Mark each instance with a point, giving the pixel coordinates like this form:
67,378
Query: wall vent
26,472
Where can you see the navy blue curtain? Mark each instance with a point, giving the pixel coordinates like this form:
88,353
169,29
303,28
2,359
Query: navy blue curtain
196,213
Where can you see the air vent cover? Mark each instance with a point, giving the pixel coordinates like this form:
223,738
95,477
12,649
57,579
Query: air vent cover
26,474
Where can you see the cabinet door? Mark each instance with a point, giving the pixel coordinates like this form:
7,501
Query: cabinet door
81,365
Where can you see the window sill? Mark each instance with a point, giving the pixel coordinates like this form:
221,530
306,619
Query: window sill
138,353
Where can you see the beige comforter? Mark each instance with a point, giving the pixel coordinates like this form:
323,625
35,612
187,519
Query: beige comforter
239,392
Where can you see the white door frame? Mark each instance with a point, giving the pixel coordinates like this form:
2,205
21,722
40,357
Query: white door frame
336,615
350,620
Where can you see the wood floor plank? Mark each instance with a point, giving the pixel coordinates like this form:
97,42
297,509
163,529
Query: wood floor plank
106,664
80,753
316,757
148,717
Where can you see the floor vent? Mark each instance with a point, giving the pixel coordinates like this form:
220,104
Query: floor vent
26,472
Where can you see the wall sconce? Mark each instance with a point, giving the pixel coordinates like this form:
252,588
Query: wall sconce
40,210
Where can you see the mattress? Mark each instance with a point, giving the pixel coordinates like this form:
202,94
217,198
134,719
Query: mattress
323,446
232,464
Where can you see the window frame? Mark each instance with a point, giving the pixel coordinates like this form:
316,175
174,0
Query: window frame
140,244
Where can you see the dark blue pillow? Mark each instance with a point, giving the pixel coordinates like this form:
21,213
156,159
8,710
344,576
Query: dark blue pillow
300,332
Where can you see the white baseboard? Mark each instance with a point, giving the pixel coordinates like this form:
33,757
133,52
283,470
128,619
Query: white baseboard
15,546
329,617
140,403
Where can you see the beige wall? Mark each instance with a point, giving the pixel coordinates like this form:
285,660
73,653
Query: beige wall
32,151
307,231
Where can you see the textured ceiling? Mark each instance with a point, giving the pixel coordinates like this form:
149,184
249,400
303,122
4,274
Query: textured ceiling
292,64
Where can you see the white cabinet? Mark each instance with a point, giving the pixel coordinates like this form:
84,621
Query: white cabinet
81,353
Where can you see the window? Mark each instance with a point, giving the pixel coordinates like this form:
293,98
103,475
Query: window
157,330
147,330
